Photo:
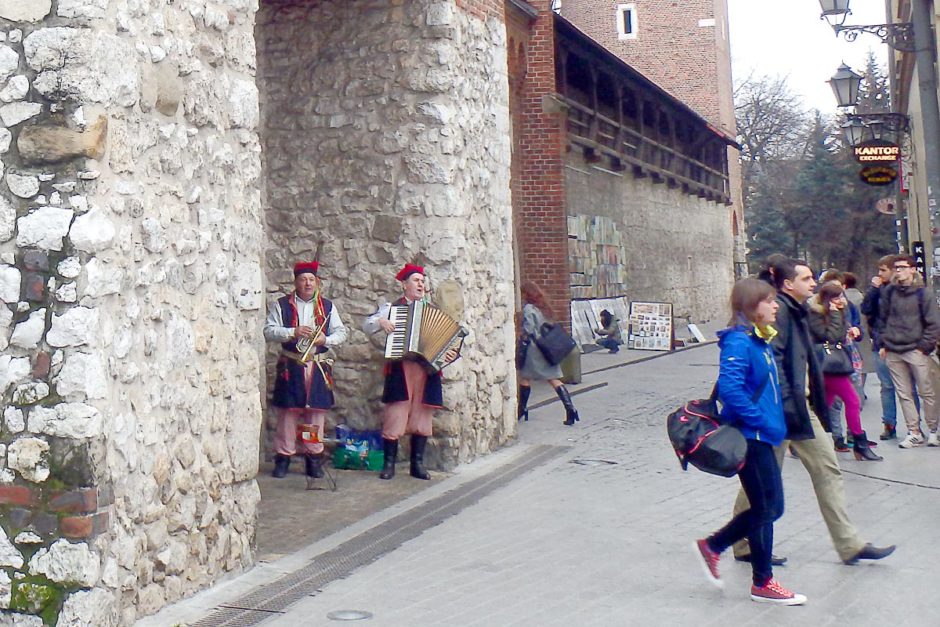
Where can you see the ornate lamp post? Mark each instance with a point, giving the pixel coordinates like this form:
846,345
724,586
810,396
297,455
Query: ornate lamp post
899,36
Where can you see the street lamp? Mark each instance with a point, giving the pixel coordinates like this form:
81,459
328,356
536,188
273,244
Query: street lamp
899,36
834,11
854,130
845,84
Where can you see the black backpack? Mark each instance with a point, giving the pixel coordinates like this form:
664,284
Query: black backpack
701,438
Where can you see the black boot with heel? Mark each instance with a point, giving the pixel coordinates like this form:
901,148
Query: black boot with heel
570,412
863,452
524,391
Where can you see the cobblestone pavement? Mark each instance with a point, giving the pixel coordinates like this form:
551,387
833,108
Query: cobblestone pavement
579,540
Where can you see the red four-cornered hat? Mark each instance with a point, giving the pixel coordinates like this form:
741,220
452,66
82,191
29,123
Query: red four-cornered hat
408,270
306,266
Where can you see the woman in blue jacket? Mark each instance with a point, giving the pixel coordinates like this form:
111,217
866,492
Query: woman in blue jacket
750,398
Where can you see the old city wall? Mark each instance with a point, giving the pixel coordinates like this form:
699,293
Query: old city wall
130,275
677,246
386,136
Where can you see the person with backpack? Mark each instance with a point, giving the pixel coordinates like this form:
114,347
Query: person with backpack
750,397
908,331
802,388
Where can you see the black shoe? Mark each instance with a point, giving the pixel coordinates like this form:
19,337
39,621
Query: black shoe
313,465
870,552
890,433
863,452
775,560
390,452
418,442
839,444
281,464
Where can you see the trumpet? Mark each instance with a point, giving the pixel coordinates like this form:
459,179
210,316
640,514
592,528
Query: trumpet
305,345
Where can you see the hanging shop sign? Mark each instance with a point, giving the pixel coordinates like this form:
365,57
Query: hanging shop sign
877,151
878,174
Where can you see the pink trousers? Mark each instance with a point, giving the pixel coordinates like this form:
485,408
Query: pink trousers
841,385
411,416
285,436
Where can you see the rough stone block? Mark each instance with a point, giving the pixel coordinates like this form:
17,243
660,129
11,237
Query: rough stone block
24,10
51,144
81,500
29,457
28,333
76,327
65,562
7,219
41,365
44,227
10,278
17,112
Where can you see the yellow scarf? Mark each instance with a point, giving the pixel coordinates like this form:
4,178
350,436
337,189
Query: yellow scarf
766,333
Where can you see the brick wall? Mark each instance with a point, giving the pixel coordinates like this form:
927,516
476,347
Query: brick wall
538,166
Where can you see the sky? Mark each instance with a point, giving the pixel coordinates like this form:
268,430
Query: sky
787,38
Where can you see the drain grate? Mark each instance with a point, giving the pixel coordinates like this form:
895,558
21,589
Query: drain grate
368,547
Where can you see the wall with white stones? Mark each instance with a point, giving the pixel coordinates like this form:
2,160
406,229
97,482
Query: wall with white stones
385,127
131,288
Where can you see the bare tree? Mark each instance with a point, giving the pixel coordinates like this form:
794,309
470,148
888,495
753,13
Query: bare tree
771,122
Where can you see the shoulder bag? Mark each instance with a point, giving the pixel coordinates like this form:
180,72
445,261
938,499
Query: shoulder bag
554,343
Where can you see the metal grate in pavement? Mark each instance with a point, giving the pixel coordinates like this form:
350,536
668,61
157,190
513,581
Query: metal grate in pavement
368,546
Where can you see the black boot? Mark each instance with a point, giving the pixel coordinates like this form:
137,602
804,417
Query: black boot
418,442
524,391
390,450
863,452
281,464
570,412
869,552
313,465
838,443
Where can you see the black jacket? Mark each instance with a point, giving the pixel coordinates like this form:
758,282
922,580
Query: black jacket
793,352
908,318
870,306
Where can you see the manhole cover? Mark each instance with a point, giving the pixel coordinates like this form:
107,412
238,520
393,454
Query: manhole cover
593,462
349,615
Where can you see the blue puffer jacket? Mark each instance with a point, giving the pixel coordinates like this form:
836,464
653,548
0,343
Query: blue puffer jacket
746,362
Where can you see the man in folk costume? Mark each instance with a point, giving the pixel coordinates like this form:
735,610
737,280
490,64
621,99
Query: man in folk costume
303,392
411,394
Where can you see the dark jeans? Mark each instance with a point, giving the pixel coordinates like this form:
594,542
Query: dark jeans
609,343
763,486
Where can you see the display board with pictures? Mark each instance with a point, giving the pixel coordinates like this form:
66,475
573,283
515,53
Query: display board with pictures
650,326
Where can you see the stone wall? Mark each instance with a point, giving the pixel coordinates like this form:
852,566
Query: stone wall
385,132
131,288
678,247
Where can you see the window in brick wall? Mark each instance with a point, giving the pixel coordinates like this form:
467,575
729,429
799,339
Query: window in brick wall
627,24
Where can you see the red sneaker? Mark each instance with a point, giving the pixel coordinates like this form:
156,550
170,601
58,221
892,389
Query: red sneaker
709,561
773,592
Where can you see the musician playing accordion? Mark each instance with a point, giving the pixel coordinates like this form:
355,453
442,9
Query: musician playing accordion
411,392
306,325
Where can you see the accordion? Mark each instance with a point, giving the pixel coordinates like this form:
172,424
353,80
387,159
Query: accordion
424,332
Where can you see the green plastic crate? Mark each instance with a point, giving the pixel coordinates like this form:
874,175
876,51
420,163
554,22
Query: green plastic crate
350,460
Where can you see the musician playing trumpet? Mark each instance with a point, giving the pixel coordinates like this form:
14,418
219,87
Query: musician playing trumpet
411,393
307,326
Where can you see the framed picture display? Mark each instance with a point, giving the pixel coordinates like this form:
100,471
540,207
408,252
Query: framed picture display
650,326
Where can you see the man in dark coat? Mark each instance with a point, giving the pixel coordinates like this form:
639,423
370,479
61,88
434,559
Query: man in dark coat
806,431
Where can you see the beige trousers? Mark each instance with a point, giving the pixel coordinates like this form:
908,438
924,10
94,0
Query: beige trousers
923,369
819,459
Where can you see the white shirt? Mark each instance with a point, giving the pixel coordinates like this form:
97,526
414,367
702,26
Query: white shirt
276,331
371,324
